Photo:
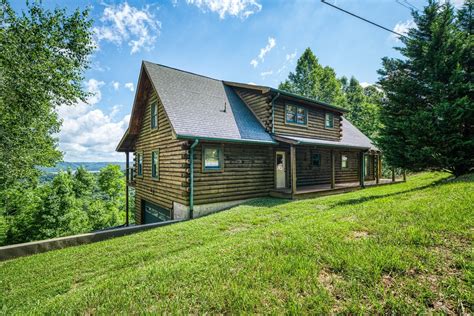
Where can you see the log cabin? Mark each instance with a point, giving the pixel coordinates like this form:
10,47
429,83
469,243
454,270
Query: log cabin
201,145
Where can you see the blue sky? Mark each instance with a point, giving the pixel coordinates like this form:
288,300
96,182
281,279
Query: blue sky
253,41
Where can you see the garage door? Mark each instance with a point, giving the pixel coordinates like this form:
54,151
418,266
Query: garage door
153,213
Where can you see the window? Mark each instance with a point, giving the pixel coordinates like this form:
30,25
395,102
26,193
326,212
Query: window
139,164
296,115
344,161
212,158
367,165
329,120
154,116
155,164
316,160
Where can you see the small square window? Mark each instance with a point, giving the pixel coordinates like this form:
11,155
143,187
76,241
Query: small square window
139,164
316,160
329,120
212,158
344,161
154,115
155,164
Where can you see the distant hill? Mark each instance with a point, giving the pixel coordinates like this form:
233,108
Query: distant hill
90,166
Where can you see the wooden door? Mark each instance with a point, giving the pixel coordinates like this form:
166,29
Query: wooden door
280,169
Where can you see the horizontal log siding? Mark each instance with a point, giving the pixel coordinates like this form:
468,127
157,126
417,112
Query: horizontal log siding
172,182
248,173
258,104
315,127
306,174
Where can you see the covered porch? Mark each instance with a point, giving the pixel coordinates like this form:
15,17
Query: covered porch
311,169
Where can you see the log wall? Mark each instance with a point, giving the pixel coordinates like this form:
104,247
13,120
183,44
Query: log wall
315,127
173,162
248,173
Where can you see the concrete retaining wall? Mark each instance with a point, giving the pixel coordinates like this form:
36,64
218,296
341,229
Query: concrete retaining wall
30,248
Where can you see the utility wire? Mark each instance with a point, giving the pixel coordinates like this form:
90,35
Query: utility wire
407,5
363,19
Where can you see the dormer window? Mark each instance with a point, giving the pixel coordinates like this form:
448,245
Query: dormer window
296,115
329,120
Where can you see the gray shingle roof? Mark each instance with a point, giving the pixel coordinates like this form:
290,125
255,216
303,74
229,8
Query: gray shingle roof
195,106
351,138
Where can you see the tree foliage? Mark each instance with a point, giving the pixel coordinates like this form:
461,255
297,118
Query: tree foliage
70,203
429,113
43,56
312,80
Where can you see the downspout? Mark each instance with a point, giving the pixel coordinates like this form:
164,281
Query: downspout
191,177
273,112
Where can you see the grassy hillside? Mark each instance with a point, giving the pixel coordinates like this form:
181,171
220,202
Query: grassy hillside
401,248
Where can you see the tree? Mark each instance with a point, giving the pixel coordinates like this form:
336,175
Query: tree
83,182
43,56
112,182
429,112
312,80
363,106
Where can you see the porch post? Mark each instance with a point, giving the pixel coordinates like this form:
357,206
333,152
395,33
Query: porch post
362,168
293,170
393,174
333,170
377,168
127,175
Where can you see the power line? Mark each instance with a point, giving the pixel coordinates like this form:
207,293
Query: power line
363,19
407,5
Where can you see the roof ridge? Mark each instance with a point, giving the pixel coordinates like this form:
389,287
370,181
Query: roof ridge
181,70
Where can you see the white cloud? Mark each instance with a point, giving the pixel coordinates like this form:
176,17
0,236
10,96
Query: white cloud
271,43
115,85
456,3
125,23
291,57
266,73
365,84
403,28
89,134
237,8
129,86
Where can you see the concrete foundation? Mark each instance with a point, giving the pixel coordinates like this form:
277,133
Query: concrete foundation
182,211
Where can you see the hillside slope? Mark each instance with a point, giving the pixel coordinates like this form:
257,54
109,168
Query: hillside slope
400,248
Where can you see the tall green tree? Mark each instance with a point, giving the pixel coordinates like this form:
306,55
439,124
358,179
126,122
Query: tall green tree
312,80
429,114
43,57
363,106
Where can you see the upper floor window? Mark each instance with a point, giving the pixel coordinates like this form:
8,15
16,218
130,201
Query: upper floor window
344,161
154,115
155,163
296,114
139,164
329,120
212,158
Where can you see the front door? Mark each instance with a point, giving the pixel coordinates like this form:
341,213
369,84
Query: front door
280,169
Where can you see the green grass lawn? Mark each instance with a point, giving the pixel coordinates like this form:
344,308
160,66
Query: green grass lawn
402,248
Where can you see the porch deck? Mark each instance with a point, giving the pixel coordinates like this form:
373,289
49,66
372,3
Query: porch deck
325,189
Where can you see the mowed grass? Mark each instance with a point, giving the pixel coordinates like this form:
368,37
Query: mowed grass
402,248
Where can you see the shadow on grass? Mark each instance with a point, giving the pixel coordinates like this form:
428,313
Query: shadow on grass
376,197
266,202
